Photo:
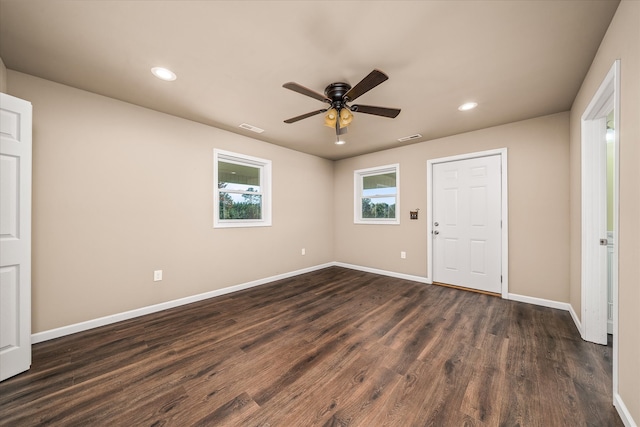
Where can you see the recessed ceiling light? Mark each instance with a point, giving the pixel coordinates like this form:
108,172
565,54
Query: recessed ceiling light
163,74
468,106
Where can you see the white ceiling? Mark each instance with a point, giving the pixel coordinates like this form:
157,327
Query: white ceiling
517,59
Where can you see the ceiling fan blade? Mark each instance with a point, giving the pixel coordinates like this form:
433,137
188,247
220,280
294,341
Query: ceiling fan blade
304,116
306,91
365,85
378,111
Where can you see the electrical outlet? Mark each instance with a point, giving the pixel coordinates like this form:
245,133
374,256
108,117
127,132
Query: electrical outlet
403,254
303,251
157,275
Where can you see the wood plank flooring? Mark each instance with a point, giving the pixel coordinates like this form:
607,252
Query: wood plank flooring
335,347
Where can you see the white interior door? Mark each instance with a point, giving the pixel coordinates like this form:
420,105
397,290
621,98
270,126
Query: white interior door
15,236
594,269
466,223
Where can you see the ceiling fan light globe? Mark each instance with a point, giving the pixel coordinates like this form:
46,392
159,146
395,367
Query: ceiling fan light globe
330,118
346,117
330,123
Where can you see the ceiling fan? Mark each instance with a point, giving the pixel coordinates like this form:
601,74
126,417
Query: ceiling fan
338,95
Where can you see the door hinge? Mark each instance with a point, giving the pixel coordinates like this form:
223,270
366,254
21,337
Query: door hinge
500,278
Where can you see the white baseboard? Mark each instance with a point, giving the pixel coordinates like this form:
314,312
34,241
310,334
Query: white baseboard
107,320
384,272
624,413
577,322
551,304
540,301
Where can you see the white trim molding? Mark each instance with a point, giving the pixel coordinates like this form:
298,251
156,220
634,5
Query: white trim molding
107,320
565,306
384,272
576,320
593,212
593,262
623,411
114,318
39,337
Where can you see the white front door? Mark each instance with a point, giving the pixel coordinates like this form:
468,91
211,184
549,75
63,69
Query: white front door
15,236
466,223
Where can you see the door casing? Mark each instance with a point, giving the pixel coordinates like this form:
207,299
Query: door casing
593,321
502,152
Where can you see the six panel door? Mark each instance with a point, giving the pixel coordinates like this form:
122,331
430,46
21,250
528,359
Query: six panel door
467,223
15,236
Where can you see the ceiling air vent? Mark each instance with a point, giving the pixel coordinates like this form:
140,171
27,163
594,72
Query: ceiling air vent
251,128
409,138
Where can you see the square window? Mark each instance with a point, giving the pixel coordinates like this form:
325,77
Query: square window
242,187
377,195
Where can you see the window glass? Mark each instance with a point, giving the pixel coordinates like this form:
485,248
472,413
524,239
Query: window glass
242,186
240,206
238,177
377,195
379,207
379,184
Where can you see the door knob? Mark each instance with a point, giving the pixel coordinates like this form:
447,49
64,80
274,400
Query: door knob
436,232
436,224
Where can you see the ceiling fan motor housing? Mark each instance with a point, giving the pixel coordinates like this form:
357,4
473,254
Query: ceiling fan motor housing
335,92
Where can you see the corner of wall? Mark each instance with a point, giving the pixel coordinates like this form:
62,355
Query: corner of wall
3,77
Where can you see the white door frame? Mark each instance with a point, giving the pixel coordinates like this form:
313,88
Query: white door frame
502,152
593,214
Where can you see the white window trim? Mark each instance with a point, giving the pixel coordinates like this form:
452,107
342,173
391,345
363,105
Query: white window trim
265,184
357,191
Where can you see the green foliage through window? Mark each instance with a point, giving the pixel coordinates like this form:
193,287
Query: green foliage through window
377,209
239,206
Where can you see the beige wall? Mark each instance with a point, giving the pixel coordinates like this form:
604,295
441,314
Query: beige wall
120,191
3,77
622,41
538,154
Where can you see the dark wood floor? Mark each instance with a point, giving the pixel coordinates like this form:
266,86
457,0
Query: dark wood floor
335,347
